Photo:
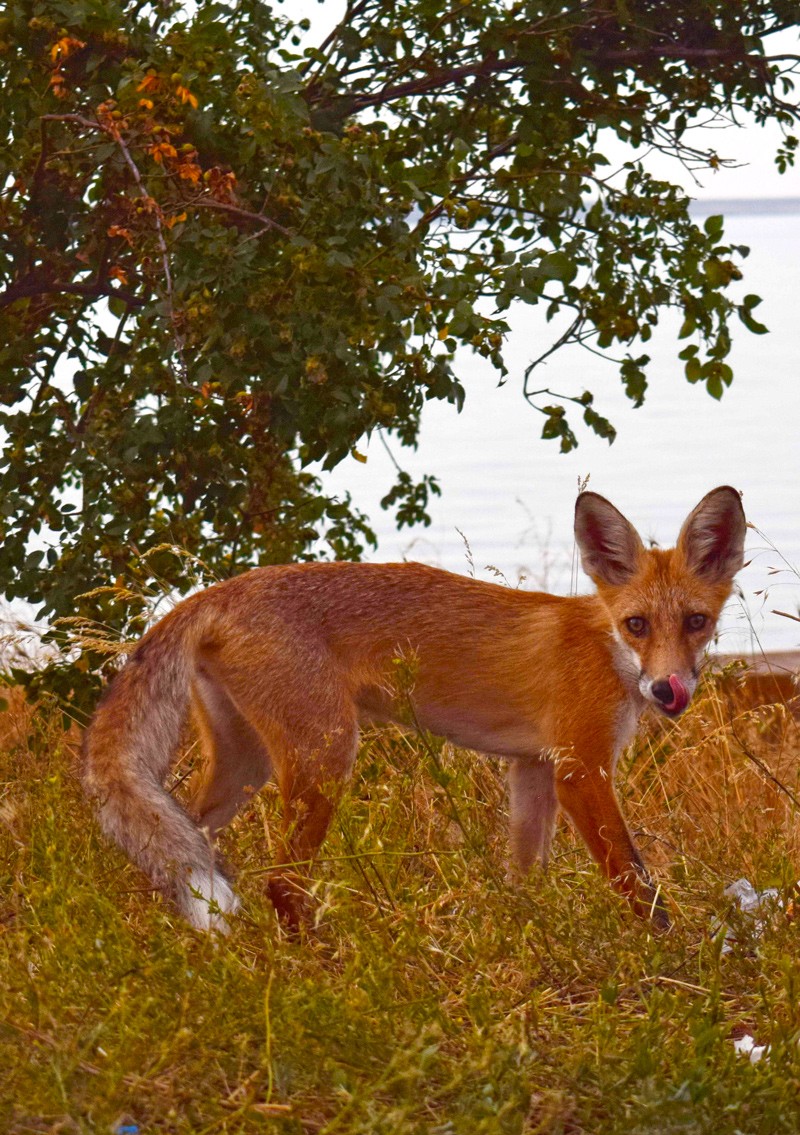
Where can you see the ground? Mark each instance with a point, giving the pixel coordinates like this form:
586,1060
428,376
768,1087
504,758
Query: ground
432,995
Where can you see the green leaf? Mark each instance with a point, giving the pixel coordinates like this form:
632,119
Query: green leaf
558,266
714,386
745,311
714,225
634,378
601,426
461,149
693,369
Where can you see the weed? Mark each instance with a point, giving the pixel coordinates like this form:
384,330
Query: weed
432,996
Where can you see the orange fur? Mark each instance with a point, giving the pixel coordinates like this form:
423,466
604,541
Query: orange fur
280,665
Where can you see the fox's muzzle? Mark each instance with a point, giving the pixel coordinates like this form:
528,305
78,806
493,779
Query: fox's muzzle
671,694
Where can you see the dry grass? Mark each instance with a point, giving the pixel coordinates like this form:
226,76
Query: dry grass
432,997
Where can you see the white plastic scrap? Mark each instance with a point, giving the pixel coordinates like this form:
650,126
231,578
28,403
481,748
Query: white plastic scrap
751,902
746,1046
754,903
749,899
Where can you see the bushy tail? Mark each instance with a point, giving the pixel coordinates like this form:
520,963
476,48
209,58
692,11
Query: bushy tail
128,749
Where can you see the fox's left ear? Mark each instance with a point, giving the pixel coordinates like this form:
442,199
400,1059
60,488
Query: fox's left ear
712,536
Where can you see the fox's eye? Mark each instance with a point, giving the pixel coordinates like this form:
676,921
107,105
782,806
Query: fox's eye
636,625
696,622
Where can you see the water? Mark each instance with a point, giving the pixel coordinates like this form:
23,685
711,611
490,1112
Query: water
512,494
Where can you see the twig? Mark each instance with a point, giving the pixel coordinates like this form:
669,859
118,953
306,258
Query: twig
562,339
234,210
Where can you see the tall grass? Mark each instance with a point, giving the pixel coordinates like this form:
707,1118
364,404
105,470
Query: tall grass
432,995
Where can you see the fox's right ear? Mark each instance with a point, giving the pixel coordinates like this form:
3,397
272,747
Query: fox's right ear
610,546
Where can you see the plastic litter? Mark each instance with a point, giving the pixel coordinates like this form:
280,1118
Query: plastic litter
746,1046
751,902
759,905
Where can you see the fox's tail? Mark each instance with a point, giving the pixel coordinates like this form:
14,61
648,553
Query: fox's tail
127,752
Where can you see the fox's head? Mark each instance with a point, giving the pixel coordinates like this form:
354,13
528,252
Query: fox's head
663,605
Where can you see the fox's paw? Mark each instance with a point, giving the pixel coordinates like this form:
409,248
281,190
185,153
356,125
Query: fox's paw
290,898
649,903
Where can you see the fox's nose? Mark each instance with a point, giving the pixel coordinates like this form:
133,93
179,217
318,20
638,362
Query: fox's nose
663,691
672,694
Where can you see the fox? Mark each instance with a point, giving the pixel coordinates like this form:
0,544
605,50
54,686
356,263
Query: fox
278,668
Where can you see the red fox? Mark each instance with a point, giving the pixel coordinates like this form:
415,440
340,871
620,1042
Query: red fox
278,667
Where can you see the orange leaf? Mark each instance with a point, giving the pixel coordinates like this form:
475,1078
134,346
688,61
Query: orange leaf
117,230
161,150
64,47
60,88
186,95
221,184
149,83
189,171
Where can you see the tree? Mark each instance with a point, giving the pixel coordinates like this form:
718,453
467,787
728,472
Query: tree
224,257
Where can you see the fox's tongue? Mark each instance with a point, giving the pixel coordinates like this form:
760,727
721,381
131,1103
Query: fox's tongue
680,695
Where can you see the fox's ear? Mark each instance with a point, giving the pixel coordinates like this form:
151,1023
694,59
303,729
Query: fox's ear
712,536
609,544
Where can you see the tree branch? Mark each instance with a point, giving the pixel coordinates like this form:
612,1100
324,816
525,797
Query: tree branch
570,333
351,12
436,81
26,289
235,211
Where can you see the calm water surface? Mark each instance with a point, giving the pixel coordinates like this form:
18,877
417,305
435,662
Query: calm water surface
512,494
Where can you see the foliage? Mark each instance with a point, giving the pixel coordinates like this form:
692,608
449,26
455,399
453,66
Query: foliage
225,255
433,996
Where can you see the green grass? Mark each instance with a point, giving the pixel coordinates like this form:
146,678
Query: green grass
432,996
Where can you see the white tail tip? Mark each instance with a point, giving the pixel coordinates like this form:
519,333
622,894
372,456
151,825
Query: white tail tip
207,900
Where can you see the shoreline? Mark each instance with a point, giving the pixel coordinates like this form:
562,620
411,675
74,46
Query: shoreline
765,662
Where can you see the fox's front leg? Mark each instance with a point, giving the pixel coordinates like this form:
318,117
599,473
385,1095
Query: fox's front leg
586,793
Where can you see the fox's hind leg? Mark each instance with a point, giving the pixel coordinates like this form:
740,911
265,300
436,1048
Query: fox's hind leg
303,715
533,807
311,779
236,760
